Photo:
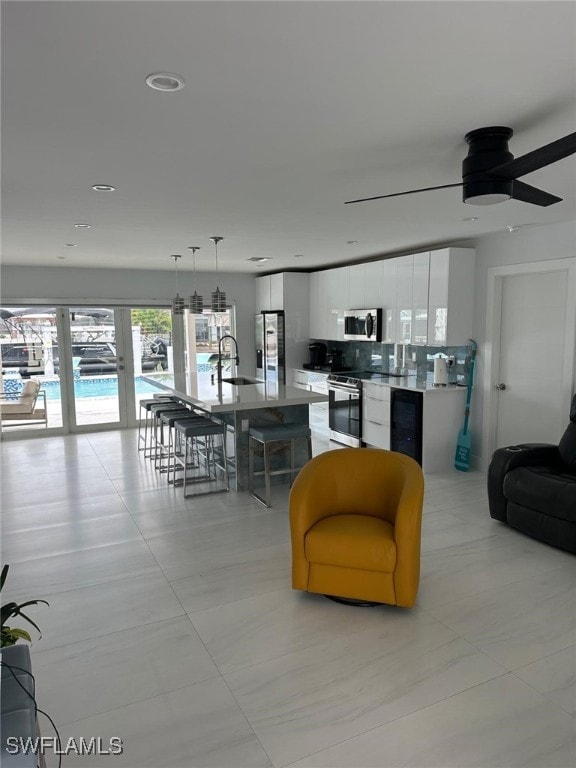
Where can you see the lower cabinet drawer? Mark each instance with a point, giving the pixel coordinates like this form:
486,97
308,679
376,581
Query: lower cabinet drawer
376,410
377,435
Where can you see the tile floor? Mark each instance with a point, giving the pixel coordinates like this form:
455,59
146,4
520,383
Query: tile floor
172,625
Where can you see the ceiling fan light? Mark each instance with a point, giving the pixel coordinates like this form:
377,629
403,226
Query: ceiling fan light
487,192
489,199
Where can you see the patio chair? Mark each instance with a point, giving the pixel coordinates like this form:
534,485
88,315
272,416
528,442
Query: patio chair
29,408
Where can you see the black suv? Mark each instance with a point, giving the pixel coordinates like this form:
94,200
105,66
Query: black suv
94,358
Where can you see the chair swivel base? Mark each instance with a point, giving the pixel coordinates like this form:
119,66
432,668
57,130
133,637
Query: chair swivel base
352,601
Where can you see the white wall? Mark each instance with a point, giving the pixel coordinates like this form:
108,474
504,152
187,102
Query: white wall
100,287
530,244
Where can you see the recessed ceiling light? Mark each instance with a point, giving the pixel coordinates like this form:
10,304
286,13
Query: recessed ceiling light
351,242
70,245
62,258
470,218
82,226
103,188
259,259
298,255
513,228
165,81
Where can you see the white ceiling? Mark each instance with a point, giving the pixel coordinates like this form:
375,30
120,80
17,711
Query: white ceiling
289,109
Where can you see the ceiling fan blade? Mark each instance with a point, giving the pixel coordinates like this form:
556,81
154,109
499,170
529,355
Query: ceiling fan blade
528,194
399,194
538,158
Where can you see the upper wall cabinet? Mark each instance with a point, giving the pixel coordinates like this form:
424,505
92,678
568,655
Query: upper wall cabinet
318,306
357,287
290,292
388,300
450,297
426,298
420,282
270,292
372,285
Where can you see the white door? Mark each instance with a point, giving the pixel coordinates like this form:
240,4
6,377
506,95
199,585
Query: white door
530,374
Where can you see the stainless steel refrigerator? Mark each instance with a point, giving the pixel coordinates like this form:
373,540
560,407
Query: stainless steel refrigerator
270,360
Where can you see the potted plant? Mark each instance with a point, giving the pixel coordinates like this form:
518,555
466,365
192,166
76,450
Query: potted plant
11,635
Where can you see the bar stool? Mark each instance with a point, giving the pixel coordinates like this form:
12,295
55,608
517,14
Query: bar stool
145,411
267,436
167,449
164,419
199,439
155,410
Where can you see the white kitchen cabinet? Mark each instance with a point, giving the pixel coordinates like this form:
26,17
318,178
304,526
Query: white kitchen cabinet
270,292
373,296
263,294
404,296
278,290
357,287
337,301
376,415
442,414
388,289
300,379
314,381
442,417
450,297
420,283
288,292
427,298
319,305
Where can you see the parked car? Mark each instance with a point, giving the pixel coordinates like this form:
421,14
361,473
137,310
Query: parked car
94,358
27,357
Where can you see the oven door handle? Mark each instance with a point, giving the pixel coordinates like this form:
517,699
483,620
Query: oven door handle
340,388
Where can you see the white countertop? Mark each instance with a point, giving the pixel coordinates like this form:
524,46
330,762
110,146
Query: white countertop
415,383
398,382
230,397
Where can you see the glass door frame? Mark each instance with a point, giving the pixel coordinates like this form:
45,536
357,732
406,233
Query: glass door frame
124,372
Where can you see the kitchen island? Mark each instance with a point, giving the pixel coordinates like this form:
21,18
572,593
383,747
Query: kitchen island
242,406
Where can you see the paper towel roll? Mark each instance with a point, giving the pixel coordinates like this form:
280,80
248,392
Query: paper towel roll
440,372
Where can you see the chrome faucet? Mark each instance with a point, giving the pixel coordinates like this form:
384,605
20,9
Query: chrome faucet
230,357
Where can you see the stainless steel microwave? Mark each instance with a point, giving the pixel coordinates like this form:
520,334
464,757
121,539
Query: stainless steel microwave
363,324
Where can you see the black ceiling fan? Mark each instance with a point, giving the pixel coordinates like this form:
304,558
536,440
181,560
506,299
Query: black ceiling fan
490,172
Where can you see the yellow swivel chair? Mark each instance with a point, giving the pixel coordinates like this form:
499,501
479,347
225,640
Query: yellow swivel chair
355,522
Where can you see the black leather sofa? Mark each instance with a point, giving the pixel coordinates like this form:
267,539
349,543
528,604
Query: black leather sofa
532,487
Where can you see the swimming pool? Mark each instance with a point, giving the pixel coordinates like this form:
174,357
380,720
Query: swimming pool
101,386
98,386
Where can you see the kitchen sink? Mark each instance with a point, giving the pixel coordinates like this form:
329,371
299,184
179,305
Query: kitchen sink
239,381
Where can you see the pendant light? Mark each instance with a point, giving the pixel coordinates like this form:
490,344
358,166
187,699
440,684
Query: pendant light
196,303
218,296
177,301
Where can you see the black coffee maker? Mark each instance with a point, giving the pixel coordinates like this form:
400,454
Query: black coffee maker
317,351
335,360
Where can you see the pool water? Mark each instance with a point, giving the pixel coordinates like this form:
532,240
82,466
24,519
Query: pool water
101,386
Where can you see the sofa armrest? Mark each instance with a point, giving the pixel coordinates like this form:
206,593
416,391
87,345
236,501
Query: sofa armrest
504,460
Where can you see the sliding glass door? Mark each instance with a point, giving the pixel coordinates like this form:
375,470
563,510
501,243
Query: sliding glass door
95,363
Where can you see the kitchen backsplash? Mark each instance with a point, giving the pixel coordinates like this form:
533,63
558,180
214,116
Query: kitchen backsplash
367,355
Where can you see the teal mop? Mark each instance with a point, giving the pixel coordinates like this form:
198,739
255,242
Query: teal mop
464,443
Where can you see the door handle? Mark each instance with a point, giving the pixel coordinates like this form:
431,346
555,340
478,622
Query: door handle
501,386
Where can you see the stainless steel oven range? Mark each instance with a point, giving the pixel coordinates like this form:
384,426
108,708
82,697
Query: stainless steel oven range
345,409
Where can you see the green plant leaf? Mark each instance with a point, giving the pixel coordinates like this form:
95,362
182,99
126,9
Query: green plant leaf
3,576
